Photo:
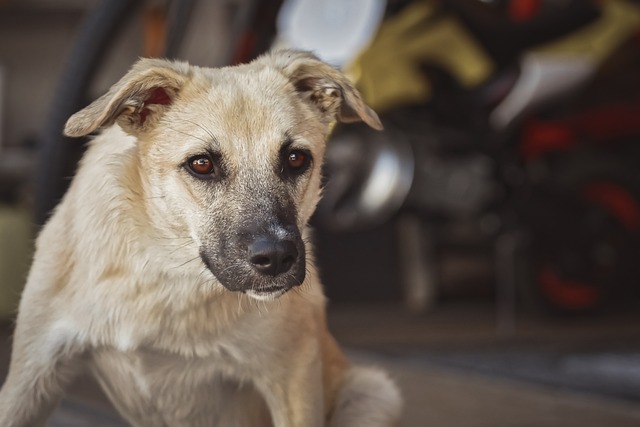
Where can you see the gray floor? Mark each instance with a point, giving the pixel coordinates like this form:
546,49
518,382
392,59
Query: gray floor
457,370
440,362
448,397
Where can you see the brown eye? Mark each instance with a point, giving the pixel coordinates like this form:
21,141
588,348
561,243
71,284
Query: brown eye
201,165
297,161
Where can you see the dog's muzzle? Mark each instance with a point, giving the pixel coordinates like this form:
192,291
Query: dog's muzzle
264,263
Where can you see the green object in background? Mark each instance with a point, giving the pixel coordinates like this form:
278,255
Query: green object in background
16,243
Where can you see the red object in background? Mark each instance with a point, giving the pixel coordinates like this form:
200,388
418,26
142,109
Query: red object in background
566,293
155,32
523,10
609,122
244,49
577,295
600,125
617,201
540,137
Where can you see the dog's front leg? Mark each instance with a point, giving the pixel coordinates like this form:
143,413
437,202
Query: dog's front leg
43,361
295,395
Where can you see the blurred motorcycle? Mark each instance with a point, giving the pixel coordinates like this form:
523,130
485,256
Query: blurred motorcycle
519,116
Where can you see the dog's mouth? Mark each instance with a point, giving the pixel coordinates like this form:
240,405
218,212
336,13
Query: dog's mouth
268,293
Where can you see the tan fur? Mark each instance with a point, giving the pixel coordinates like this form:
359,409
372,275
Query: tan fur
119,287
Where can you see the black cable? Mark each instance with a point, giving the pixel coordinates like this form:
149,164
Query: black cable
96,34
179,17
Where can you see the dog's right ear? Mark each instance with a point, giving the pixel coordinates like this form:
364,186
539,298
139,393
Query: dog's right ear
323,86
136,101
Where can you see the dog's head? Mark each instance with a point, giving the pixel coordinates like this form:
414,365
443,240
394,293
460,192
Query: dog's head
231,157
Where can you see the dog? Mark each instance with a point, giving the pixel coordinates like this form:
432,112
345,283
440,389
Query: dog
177,269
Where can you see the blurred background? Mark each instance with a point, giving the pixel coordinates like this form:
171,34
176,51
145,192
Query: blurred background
485,247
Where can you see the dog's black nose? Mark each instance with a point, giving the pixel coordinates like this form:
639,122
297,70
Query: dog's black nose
272,256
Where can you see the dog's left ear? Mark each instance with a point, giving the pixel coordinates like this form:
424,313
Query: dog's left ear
323,86
136,101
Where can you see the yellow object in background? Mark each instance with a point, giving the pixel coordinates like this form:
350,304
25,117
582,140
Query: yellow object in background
16,240
596,41
387,72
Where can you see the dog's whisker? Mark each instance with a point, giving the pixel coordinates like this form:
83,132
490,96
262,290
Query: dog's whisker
188,134
180,243
173,238
177,244
185,263
304,290
170,246
213,138
226,269
255,304
203,272
239,308
299,123
200,280
179,247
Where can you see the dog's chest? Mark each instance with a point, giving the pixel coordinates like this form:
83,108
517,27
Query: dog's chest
192,371
156,389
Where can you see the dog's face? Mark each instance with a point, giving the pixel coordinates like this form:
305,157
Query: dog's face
232,157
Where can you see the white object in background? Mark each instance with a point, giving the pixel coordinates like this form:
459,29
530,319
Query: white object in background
335,30
542,78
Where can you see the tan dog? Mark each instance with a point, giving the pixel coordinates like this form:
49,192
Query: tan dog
177,268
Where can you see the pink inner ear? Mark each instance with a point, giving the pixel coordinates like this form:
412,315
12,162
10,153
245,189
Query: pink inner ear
157,96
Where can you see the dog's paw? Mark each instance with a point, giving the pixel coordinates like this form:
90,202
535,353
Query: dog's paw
367,398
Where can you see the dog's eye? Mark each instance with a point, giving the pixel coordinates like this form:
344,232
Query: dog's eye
297,161
202,165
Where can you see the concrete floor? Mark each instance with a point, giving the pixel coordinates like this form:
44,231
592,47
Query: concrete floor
437,394
444,397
